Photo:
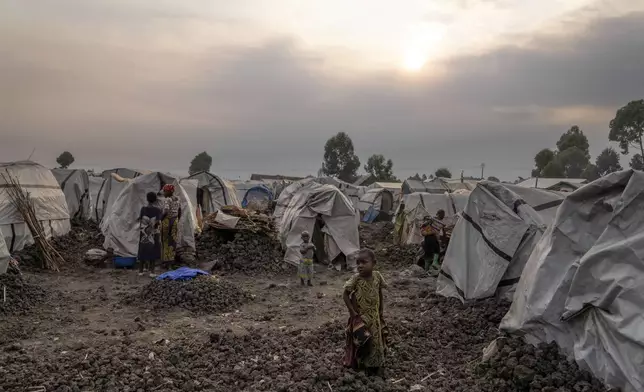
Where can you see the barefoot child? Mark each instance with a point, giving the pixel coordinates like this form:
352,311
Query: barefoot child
307,249
149,238
365,334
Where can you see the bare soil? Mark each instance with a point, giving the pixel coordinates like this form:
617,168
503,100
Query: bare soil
98,330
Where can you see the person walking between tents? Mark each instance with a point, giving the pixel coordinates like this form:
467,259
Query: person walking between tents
170,224
149,234
432,231
307,250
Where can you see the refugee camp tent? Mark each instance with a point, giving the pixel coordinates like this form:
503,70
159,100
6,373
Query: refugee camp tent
48,200
103,190
75,186
410,186
284,199
376,205
339,235
492,242
241,187
554,184
583,285
419,205
258,197
5,256
214,192
121,227
353,192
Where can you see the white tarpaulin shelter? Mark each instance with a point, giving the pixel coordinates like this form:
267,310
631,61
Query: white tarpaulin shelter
492,242
376,205
214,192
340,231
420,205
121,227
104,190
4,255
583,285
75,186
353,192
47,197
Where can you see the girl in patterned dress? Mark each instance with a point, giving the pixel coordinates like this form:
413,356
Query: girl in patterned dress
363,297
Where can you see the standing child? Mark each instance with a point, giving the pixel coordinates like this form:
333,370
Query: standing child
366,343
150,235
307,249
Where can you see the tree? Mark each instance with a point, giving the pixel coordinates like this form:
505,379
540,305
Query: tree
574,137
637,163
65,159
607,162
443,172
380,168
494,179
201,162
339,158
541,160
628,126
553,170
573,160
591,173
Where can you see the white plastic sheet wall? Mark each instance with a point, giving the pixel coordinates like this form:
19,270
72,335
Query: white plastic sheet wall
48,199
75,186
583,284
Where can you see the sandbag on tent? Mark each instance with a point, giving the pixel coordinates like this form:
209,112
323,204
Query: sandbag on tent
340,231
583,285
48,199
214,192
376,205
492,242
121,227
258,197
420,205
75,186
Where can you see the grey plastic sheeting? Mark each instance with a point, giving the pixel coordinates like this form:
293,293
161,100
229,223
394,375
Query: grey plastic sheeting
298,207
121,226
583,285
493,240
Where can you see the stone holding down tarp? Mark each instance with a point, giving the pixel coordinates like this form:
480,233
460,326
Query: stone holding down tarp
493,240
583,285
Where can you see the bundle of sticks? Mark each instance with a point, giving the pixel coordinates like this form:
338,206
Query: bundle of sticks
49,256
248,221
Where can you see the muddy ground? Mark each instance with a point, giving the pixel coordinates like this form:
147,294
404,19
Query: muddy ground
95,331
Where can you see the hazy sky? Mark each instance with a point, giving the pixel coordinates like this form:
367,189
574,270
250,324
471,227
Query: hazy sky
261,84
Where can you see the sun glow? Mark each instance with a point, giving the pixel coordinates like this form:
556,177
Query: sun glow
423,44
414,60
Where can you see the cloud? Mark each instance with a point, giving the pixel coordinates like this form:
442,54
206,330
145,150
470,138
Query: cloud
271,106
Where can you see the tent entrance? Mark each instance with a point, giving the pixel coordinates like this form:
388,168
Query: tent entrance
204,200
317,238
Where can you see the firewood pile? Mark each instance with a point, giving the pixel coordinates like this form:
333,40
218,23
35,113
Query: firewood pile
251,246
48,256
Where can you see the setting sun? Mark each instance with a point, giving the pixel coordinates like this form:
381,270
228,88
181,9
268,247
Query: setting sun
414,60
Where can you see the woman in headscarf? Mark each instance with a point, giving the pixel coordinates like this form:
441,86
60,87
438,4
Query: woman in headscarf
170,224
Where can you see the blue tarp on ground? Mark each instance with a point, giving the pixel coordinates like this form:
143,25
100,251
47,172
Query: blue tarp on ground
370,215
183,273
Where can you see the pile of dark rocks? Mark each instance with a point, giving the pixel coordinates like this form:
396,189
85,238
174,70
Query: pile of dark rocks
398,257
376,235
240,251
204,294
17,296
83,236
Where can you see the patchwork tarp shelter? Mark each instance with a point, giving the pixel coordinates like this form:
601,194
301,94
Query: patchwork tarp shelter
121,226
259,197
353,192
75,186
420,205
492,242
376,205
301,204
213,192
103,190
48,200
583,285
